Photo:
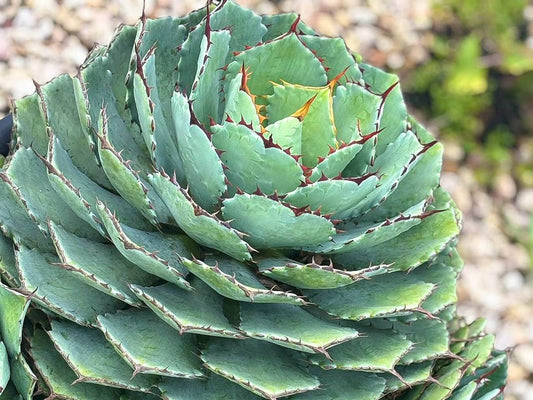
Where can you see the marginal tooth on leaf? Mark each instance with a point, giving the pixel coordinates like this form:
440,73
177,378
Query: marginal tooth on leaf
294,26
304,110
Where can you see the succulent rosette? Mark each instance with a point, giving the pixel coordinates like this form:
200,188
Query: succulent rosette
230,206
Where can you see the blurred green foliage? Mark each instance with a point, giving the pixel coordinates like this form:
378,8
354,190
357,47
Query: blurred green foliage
477,86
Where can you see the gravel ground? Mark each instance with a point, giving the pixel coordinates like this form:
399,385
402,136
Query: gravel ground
40,39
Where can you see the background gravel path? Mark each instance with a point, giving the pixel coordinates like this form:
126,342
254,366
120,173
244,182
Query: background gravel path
40,39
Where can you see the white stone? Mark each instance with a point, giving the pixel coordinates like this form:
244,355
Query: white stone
524,355
504,187
524,200
513,280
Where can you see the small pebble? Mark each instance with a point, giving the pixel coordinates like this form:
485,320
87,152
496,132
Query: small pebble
524,200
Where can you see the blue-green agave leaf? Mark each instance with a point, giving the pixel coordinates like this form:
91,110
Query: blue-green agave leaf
313,275
377,349
252,165
22,376
243,362
292,327
149,345
99,265
204,228
5,372
382,295
235,280
213,388
94,360
59,377
59,290
13,308
344,385
270,224
199,311
202,166
8,269
154,252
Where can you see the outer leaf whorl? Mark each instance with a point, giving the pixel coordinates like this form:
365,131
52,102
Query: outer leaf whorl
238,188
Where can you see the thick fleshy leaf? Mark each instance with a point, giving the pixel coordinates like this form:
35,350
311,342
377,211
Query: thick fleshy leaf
430,338
393,113
270,224
448,378
477,351
15,221
235,280
59,290
313,106
246,30
206,229
94,360
465,392
104,71
391,166
129,395
425,175
445,293
154,252
62,117
375,350
199,311
251,165
99,265
464,333
127,181
382,295
246,26
286,133
27,173
496,368
205,93
5,372
166,34
29,127
355,110
280,24
81,193
333,197
13,307
333,165
344,385
8,269
202,167
411,375
293,327
286,57
149,345
412,247
239,105
213,388
335,55
359,236
59,377
155,129
109,72
243,362
313,275
22,377
288,98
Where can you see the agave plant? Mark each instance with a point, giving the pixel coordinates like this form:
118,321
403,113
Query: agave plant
230,206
